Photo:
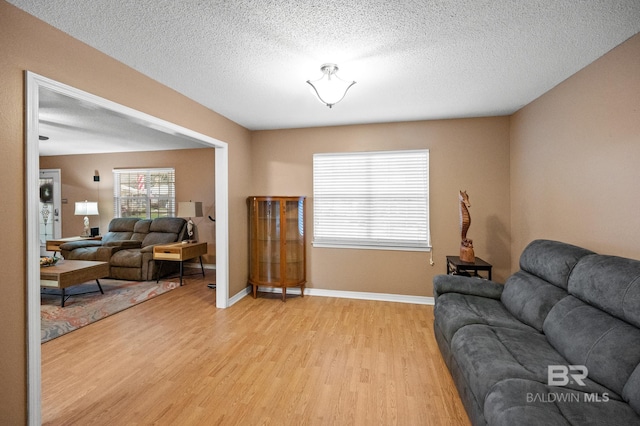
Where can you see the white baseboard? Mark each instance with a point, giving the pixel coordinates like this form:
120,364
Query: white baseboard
382,297
238,296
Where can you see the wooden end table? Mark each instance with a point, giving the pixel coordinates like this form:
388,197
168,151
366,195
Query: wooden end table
68,273
455,266
179,252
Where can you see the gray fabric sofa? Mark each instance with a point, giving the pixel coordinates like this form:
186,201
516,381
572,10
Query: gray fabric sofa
128,246
557,344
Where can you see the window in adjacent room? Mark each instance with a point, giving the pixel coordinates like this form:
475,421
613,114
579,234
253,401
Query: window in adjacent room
144,193
377,200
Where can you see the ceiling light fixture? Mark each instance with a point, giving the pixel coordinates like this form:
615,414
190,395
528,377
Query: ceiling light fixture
330,88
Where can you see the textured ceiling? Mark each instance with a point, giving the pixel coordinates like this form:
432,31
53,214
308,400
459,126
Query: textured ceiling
248,60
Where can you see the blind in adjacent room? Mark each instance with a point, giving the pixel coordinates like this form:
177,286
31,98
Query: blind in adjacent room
371,200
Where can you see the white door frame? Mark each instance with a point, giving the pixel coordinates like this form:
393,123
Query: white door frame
34,83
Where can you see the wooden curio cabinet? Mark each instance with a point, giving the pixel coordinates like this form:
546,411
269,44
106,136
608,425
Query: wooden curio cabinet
277,248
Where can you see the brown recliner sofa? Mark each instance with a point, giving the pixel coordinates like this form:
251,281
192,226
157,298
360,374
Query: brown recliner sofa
128,246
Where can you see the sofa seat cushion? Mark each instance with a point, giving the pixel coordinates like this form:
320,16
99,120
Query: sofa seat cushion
93,253
456,310
129,258
84,253
530,403
487,355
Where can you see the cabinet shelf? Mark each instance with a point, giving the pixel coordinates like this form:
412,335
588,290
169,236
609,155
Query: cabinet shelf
277,244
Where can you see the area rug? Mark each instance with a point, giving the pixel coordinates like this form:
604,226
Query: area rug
87,308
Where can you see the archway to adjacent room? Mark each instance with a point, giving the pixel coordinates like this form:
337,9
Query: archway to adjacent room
34,84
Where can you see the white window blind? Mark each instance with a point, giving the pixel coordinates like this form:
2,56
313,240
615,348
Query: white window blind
144,193
372,200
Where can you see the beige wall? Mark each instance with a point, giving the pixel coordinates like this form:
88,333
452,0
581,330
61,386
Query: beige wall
29,44
195,180
575,155
467,154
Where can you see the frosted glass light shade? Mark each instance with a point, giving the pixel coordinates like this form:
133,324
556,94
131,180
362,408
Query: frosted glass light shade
330,88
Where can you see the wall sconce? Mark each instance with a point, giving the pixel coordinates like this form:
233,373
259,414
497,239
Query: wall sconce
330,88
86,208
190,209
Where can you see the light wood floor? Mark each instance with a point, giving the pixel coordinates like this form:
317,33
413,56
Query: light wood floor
177,360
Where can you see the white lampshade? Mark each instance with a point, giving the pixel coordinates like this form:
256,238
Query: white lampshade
190,209
330,88
86,208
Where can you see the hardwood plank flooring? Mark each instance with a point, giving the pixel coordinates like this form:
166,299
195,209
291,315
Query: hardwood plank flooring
177,360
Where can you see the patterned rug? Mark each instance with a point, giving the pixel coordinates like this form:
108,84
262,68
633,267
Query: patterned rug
84,309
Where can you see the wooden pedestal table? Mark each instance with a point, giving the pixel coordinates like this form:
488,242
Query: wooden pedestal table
179,252
72,272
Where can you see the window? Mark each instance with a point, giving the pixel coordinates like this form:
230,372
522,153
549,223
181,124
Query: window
372,200
144,193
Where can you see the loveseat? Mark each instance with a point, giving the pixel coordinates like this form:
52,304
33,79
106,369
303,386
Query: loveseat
128,246
557,344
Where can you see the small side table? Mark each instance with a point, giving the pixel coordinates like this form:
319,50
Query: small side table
179,252
455,266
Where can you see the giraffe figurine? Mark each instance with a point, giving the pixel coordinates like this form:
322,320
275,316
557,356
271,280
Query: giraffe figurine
466,245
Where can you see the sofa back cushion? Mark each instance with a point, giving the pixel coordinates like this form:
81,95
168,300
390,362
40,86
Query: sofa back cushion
545,265
120,228
551,261
600,326
164,230
585,335
530,298
141,229
610,283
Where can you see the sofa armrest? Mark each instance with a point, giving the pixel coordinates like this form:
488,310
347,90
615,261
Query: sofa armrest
147,249
124,244
71,245
473,286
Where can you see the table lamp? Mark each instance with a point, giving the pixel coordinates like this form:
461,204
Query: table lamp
190,209
86,209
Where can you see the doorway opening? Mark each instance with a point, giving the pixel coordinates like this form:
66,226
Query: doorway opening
34,85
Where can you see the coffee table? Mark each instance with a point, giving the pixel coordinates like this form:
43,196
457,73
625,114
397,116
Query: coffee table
68,273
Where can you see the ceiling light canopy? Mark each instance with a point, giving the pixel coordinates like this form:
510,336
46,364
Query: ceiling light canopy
330,88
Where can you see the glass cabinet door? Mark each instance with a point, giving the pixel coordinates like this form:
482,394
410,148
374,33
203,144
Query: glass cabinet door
266,241
294,240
